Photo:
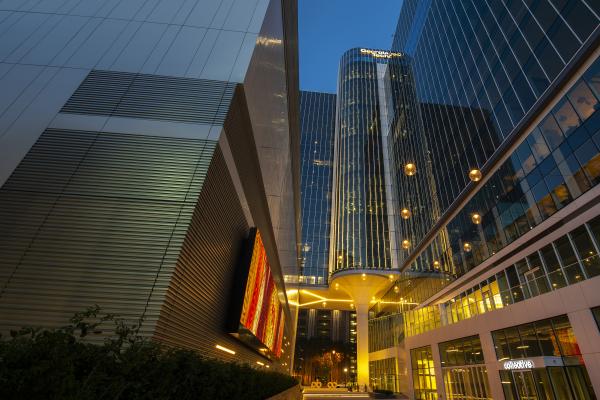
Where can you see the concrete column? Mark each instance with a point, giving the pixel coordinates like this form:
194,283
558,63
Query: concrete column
588,338
491,363
362,344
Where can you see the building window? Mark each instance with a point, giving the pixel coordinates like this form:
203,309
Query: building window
423,373
463,368
596,312
382,374
542,360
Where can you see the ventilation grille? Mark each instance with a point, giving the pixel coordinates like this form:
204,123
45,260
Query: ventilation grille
152,97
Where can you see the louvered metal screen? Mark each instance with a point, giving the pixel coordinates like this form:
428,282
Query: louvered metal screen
96,218
152,97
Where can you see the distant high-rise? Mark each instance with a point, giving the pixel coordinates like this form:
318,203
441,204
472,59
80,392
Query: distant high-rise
140,141
317,128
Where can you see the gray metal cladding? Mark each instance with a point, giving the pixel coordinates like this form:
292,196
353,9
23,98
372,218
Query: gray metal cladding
96,218
197,300
156,97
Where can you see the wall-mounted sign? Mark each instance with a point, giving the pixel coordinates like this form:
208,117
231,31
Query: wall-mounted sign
257,317
380,53
519,364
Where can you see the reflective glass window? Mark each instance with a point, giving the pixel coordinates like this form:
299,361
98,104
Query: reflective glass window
548,342
569,260
551,132
592,77
587,251
566,117
566,337
578,16
555,275
596,313
538,145
530,346
583,99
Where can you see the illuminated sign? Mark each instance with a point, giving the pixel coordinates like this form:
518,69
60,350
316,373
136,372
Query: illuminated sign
519,364
380,53
257,316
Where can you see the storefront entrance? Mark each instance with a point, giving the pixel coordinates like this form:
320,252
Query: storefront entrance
551,383
525,385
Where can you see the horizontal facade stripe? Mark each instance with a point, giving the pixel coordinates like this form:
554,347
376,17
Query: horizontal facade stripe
96,218
152,96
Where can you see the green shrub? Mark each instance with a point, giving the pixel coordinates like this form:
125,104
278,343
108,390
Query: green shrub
56,364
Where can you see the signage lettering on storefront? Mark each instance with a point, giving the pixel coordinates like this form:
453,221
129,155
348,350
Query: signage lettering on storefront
519,364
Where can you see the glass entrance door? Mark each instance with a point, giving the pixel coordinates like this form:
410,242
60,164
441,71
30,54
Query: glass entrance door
525,385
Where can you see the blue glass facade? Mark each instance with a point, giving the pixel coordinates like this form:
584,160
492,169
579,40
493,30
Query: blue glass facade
317,128
481,71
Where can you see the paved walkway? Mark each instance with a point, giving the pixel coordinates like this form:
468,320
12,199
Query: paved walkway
337,394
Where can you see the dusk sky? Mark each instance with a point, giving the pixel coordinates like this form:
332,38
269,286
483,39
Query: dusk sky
327,28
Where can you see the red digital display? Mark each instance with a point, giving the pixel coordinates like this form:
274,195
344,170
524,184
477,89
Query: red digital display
262,313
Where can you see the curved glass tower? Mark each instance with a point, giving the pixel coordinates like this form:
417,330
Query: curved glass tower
360,222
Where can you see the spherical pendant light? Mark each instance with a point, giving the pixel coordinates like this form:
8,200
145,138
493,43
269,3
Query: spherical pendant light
475,175
405,213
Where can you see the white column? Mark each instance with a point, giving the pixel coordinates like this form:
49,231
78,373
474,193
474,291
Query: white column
362,344
588,339
491,363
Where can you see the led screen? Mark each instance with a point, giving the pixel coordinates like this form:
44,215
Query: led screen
262,313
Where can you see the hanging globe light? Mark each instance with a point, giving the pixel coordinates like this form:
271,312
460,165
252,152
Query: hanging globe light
467,247
476,218
410,169
405,213
436,264
405,244
475,175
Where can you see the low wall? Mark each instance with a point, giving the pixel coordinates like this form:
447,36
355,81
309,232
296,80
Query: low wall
293,393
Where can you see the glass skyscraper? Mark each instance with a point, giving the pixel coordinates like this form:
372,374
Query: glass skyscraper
317,128
361,227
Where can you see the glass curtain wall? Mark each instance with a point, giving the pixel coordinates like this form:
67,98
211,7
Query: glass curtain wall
552,337
464,370
361,226
317,129
498,57
382,374
557,162
567,260
423,373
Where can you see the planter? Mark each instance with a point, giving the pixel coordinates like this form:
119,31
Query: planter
293,393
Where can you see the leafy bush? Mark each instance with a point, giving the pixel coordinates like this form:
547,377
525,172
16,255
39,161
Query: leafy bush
56,364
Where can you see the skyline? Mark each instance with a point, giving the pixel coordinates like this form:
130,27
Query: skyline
319,59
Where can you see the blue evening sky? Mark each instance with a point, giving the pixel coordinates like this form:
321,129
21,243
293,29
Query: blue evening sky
327,28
